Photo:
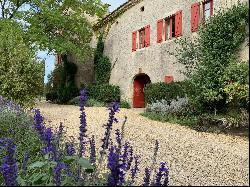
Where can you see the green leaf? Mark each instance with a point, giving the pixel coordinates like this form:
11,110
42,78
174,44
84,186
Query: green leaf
37,164
84,163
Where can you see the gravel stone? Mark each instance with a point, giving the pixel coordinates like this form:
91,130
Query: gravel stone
194,158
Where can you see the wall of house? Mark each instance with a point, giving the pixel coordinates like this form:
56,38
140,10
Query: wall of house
153,60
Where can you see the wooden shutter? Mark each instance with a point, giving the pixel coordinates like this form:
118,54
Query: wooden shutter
134,41
169,79
159,30
178,23
195,15
147,36
211,7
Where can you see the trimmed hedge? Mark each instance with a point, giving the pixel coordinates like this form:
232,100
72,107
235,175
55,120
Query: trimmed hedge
161,90
105,93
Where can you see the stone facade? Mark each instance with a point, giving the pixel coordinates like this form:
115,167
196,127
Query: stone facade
153,60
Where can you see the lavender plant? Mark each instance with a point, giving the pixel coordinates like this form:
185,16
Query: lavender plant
62,164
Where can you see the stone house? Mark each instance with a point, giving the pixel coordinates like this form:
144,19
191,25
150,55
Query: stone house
140,32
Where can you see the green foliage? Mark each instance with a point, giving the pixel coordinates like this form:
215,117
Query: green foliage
171,118
63,79
54,25
208,58
102,63
19,128
159,91
103,70
21,75
99,49
235,81
105,93
125,104
94,103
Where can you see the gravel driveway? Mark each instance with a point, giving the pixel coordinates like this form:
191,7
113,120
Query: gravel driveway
194,158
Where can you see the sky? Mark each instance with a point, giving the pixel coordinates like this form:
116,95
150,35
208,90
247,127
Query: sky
50,59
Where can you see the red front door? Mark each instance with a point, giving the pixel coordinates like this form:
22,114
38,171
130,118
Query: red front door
139,100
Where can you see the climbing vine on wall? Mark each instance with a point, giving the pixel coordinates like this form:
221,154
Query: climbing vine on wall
209,58
102,63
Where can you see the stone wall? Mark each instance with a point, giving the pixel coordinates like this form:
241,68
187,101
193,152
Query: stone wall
153,60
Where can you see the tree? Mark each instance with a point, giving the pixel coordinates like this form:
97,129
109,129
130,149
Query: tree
21,75
209,60
59,26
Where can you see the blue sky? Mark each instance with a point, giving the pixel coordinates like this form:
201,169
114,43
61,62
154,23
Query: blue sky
50,59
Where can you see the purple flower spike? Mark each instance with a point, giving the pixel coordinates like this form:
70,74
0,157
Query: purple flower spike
9,165
57,173
92,150
25,162
70,150
114,108
135,169
163,172
116,176
147,177
83,123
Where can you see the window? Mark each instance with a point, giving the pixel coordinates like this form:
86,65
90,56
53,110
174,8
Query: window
169,27
207,9
142,9
142,38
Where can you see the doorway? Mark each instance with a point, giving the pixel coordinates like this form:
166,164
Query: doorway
140,82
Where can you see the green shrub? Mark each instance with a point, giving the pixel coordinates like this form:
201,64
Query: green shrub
103,70
18,126
124,104
161,90
105,93
94,103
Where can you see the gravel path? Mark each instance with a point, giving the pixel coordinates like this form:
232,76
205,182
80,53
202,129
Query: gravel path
194,158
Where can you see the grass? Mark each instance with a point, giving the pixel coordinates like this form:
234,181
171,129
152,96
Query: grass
182,120
194,122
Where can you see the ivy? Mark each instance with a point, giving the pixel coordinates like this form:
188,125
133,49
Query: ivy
102,63
209,57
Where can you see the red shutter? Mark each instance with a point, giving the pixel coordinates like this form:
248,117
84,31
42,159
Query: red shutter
169,79
159,30
178,23
195,15
211,7
170,28
147,36
134,41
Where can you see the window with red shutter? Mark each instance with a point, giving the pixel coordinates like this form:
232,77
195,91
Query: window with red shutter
142,38
134,41
159,30
147,36
178,23
195,16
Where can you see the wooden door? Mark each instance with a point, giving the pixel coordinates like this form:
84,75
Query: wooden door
139,97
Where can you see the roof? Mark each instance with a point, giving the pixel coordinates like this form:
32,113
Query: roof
120,10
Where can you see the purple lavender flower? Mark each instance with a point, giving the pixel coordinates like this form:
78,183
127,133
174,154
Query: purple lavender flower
130,159
147,177
83,123
160,174
116,176
135,169
114,108
70,150
92,150
46,135
9,165
57,173
124,156
118,138
25,162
